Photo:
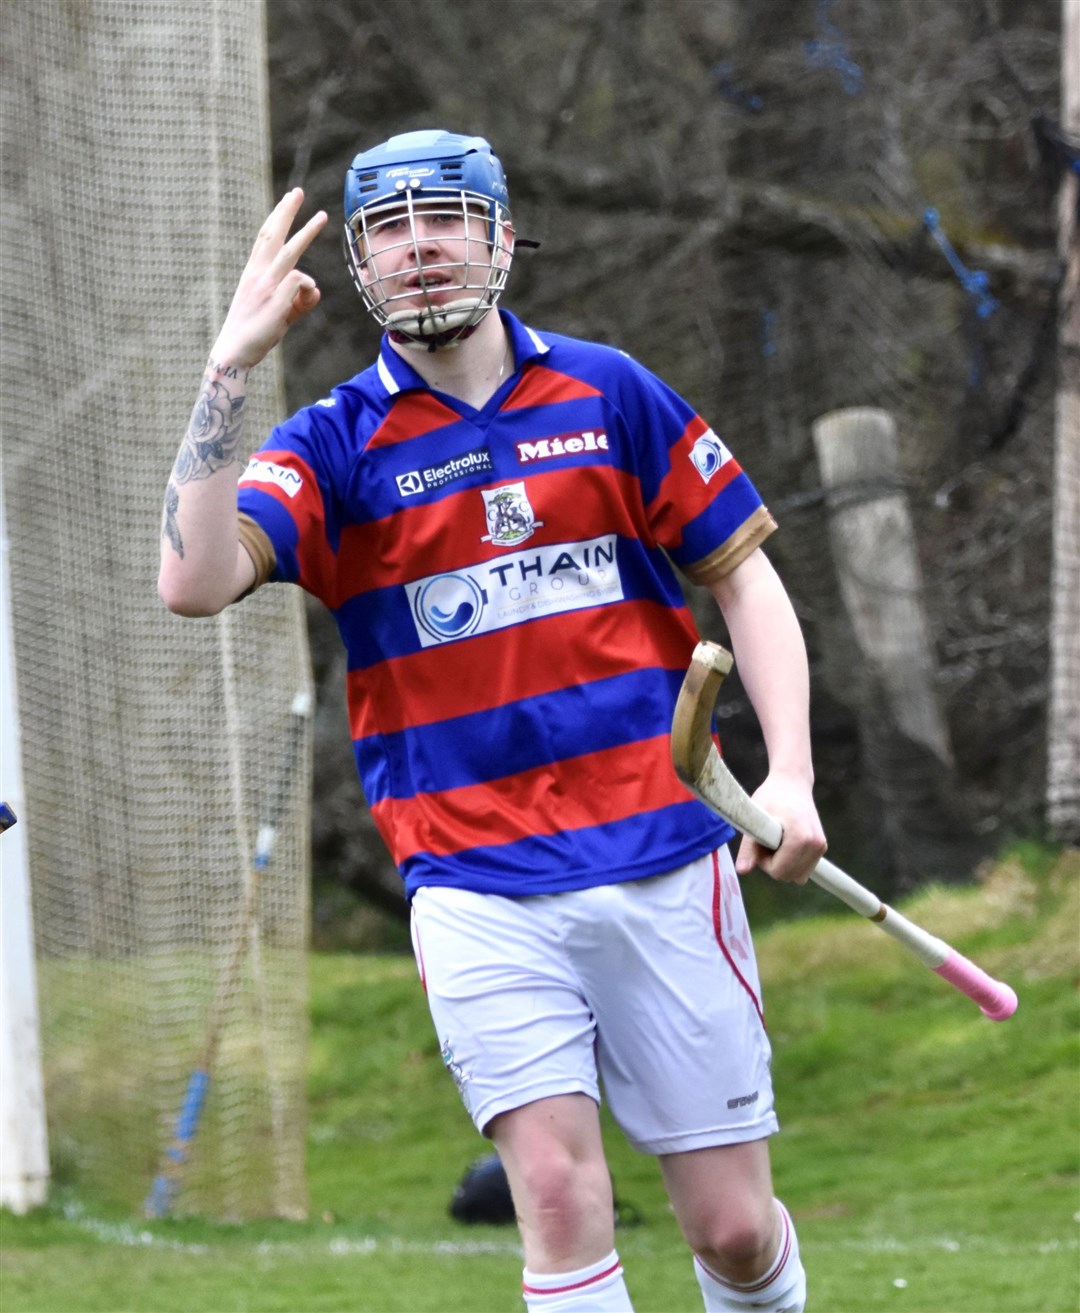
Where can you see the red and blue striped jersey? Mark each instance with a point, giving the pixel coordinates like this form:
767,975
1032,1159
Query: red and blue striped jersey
502,581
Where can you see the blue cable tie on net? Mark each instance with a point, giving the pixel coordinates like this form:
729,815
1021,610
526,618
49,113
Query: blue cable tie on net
769,345
724,83
973,281
830,51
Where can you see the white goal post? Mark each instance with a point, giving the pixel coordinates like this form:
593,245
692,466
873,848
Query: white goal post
24,1152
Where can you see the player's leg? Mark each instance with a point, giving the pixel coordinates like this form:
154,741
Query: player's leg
554,1161
559,1179
684,1057
519,1040
745,1249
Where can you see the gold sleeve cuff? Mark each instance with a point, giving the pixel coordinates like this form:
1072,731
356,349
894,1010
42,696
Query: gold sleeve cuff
747,538
258,546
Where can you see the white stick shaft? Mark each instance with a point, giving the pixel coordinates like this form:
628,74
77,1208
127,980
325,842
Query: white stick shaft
930,950
719,790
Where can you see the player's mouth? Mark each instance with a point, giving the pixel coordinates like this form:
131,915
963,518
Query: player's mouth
429,282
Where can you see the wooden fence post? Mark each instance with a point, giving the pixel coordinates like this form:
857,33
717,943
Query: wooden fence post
873,545
910,808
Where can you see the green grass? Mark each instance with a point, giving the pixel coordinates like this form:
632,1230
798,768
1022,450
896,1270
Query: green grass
929,1156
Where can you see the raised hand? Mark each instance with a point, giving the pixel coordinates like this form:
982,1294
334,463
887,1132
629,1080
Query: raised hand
272,293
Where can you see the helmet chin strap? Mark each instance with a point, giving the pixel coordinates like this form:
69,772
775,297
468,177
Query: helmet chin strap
436,328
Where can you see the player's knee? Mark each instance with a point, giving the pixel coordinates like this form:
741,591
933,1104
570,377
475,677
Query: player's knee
557,1184
560,1199
734,1243
559,1179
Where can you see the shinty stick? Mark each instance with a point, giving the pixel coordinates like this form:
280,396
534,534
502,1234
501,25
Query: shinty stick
698,764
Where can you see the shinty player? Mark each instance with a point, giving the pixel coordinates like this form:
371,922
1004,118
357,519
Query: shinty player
491,512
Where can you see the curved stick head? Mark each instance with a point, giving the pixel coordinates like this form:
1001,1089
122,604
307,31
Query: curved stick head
691,726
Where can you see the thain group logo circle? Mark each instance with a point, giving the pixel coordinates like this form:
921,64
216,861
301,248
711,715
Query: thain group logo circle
449,606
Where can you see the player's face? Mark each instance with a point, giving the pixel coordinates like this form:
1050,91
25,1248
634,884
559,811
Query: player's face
429,254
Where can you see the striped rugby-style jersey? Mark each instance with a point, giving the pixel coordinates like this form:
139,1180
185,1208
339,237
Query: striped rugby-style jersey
516,636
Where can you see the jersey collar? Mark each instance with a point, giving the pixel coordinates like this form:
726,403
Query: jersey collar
397,375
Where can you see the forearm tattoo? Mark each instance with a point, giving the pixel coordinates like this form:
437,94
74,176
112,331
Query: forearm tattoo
214,432
211,442
169,527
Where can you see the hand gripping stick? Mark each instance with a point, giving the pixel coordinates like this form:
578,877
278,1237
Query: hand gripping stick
698,764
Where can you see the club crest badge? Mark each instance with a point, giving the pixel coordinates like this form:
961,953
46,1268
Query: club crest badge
509,515
461,1078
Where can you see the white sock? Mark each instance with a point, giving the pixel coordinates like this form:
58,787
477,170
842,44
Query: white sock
782,1289
598,1288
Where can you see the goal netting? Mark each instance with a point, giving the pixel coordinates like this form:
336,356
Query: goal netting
794,211
136,169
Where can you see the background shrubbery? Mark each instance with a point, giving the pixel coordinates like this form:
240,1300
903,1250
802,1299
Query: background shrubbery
736,193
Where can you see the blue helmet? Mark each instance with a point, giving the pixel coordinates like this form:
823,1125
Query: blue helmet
431,173
434,162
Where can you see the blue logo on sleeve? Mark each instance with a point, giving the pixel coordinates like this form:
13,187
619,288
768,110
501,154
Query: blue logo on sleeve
709,454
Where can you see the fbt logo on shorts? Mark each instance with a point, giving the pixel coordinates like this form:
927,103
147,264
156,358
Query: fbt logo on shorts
708,454
564,444
744,1100
266,471
527,585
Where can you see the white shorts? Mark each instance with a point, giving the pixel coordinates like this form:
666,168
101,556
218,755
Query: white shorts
648,988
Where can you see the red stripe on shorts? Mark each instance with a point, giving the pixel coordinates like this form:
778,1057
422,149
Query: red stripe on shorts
419,956
718,929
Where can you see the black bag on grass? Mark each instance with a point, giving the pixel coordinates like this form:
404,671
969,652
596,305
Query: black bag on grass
483,1193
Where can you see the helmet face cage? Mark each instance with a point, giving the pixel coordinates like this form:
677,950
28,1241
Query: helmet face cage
436,301
428,236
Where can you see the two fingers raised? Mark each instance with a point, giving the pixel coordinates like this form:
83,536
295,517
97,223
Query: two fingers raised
273,294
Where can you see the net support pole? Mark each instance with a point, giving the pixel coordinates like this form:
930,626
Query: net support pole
24,1152
1063,719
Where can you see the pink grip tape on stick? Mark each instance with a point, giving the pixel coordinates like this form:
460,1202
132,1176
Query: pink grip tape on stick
996,999
698,764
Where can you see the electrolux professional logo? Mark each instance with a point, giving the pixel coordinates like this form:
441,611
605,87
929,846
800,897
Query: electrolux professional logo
708,454
526,585
432,477
410,484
